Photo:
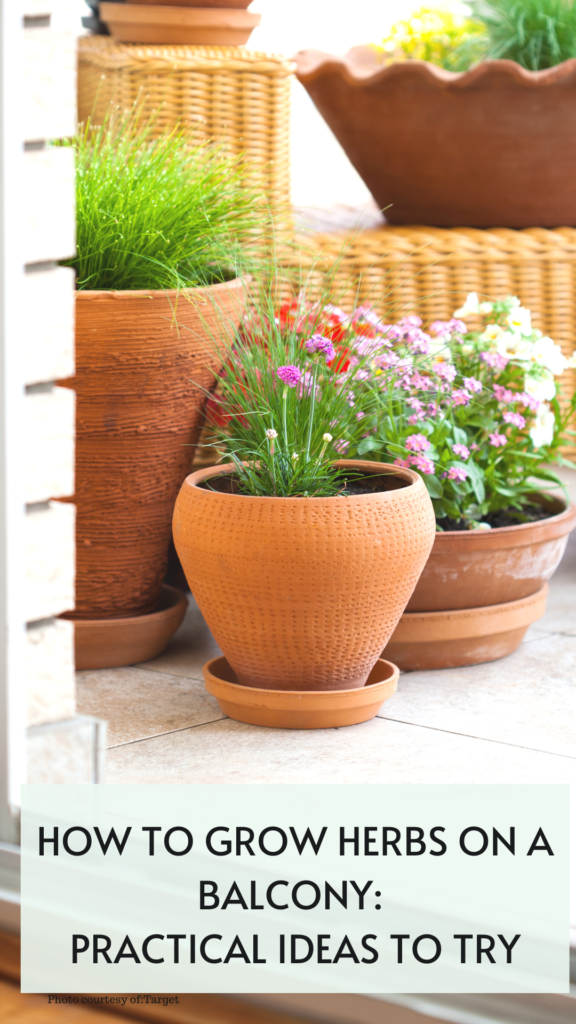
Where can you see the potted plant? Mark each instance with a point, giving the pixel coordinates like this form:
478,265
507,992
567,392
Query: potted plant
301,561
477,416
490,142
159,225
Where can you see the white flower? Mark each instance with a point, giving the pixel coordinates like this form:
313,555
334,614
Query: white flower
470,307
327,438
543,389
572,362
485,308
542,430
295,455
547,354
515,346
491,334
519,320
271,434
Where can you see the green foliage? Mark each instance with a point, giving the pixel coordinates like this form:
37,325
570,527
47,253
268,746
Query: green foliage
157,212
535,33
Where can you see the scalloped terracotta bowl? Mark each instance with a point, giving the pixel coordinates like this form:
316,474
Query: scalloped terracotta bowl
303,593
492,146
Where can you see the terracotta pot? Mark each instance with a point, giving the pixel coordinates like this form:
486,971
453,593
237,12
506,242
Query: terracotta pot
303,593
110,643
138,418
434,640
492,146
300,709
473,568
140,23
240,5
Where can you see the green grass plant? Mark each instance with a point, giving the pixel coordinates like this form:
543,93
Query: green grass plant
158,212
536,34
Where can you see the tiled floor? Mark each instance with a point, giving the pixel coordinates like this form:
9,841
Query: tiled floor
509,721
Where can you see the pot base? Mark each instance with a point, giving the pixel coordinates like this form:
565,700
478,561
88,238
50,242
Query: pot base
299,709
469,636
111,643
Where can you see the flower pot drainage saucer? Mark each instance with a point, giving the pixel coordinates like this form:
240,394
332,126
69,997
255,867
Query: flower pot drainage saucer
111,643
299,709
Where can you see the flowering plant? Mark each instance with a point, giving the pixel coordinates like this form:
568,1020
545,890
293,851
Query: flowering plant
476,414
292,399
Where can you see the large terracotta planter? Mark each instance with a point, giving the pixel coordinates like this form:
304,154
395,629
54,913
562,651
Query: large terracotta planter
140,357
473,568
492,146
302,594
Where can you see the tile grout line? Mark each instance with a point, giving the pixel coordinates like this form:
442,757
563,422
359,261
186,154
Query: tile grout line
160,672
169,732
469,736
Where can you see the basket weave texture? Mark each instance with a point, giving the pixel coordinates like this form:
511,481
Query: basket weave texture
239,98
430,271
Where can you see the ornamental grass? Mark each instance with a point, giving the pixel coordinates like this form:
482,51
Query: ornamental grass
158,213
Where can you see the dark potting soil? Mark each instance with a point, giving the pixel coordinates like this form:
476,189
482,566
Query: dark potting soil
361,483
505,517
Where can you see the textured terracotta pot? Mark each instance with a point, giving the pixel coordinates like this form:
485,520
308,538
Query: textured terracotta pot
110,643
300,709
492,146
303,594
138,418
472,568
212,26
429,640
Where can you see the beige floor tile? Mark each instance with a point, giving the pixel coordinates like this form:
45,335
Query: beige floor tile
137,704
528,699
379,751
190,648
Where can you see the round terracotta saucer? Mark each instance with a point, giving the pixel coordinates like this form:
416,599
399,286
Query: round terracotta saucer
111,643
299,709
196,26
465,636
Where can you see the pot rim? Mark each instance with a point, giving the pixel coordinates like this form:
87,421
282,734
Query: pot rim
235,284
314,64
406,474
518,535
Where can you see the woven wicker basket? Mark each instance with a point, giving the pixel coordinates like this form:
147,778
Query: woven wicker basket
237,97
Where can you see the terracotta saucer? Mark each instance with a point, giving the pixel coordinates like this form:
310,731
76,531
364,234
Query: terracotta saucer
197,26
111,643
228,4
467,636
299,709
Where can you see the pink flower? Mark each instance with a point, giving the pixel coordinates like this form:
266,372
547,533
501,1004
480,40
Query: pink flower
461,449
405,463
290,375
416,417
418,340
498,440
515,419
457,473
446,371
503,394
461,397
360,416
494,360
417,443
407,322
446,328
317,344
415,403
528,401
432,408
422,383
423,464
386,360
341,446
472,384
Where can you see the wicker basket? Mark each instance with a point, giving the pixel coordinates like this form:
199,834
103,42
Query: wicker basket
429,271
237,97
